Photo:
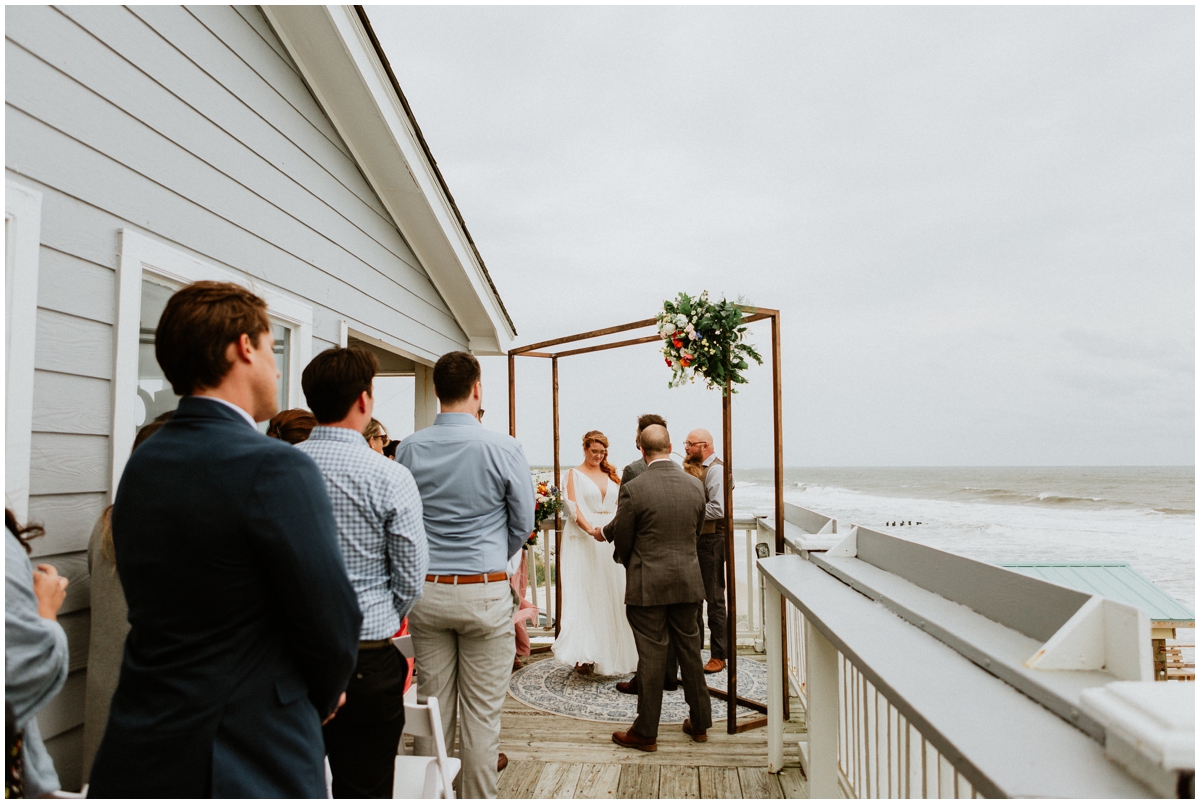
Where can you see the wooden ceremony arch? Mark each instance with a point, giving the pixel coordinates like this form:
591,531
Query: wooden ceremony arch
758,314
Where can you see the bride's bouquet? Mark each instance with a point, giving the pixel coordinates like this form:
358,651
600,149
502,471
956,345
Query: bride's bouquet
547,503
705,338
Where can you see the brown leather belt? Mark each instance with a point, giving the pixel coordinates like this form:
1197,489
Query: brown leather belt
461,579
372,644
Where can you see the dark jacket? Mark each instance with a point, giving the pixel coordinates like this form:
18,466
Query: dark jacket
633,470
244,626
658,520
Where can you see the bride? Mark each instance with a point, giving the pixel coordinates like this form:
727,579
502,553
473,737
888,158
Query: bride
595,634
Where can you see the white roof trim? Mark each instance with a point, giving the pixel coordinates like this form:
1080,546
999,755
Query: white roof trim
340,64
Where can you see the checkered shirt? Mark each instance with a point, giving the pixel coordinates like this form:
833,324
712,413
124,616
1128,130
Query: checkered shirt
380,526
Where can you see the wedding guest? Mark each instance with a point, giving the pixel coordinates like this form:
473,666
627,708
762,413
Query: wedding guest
478,497
35,649
382,537
635,468
711,545
110,624
292,426
243,624
376,435
389,451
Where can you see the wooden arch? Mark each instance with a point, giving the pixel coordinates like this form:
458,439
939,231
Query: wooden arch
750,316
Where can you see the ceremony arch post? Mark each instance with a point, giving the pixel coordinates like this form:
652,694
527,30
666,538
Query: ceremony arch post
538,350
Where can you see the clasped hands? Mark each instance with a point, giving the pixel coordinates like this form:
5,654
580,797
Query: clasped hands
593,532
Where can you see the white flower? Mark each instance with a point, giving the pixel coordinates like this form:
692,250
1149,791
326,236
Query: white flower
692,334
681,320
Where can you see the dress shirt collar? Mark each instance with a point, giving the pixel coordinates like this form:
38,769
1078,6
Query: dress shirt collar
323,432
457,419
708,461
241,412
658,460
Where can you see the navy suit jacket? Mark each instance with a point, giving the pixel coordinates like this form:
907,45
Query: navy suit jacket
243,624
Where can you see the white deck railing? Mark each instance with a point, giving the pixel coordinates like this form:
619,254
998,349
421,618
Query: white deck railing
924,674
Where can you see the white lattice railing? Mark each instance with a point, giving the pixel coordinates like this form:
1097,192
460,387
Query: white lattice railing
902,692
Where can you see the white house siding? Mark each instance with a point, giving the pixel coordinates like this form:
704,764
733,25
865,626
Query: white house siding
193,127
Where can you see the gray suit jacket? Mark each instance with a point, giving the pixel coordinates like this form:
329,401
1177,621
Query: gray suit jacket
633,470
658,520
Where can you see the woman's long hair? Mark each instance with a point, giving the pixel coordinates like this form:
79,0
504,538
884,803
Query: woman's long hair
23,533
597,437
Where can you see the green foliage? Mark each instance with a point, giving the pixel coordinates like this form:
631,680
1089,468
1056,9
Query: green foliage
705,338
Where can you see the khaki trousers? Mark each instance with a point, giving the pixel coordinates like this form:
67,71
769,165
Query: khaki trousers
465,643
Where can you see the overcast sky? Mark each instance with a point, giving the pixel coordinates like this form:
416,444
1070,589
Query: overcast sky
978,223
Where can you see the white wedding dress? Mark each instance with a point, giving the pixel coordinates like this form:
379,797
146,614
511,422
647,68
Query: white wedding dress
594,627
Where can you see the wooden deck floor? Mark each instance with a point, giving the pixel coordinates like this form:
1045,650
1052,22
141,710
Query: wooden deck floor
557,757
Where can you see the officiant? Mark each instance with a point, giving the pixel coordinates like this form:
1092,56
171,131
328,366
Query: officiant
711,545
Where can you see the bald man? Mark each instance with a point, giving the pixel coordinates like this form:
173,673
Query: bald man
711,546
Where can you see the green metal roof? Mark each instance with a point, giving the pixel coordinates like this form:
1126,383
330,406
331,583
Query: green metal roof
1112,579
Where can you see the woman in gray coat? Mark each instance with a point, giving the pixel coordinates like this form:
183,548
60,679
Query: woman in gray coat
35,649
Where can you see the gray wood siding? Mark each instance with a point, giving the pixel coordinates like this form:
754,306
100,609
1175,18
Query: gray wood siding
194,127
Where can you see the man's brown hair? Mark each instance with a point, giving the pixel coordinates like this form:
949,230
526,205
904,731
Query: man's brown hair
454,375
647,419
335,379
197,326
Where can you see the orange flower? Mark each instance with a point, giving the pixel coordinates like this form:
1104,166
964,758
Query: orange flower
677,343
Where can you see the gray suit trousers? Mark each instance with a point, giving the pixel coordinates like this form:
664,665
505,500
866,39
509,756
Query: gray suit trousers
655,628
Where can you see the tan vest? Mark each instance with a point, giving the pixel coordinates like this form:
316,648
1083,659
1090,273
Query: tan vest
714,525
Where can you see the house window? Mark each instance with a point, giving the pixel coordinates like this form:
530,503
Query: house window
154,394
149,272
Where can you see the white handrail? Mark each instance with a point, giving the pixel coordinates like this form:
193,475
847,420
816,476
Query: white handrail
904,699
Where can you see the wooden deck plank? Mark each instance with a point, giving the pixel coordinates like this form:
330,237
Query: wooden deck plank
638,781
598,780
558,780
757,783
719,783
793,783
519,779
679,781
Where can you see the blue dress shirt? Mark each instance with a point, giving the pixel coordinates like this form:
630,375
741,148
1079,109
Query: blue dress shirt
477,492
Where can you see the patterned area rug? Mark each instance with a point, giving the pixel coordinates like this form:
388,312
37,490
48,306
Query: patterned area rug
556,688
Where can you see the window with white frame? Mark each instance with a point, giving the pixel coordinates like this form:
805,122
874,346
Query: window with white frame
150,272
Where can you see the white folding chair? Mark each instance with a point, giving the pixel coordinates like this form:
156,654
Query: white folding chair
424,777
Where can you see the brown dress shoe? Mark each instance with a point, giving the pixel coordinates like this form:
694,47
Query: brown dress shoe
629,687
699,735
714,665
502,761
631,739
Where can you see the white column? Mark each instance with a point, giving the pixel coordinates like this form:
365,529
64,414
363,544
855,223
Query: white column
425,403
821,688
773,620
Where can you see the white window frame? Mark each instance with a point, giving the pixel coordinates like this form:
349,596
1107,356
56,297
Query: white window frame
142,257
23,228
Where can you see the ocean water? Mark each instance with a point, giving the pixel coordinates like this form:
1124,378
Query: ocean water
1143,515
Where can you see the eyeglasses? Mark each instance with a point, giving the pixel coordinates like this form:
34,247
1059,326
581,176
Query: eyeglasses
382,437
694,443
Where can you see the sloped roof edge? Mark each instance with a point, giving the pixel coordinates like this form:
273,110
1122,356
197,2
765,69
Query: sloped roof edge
340,58
387,65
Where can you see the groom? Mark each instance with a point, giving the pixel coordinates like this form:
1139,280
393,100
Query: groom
659,517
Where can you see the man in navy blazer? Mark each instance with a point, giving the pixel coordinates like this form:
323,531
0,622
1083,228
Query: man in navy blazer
244,625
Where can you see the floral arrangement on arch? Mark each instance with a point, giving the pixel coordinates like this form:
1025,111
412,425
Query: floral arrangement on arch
705,338
547,503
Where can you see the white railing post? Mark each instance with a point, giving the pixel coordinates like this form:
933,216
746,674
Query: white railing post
773,620
821,680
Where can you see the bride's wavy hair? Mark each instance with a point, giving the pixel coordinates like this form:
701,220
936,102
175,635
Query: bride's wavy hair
597,437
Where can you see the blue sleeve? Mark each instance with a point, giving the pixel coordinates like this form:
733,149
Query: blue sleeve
35,649
518,482
407,548
293,530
